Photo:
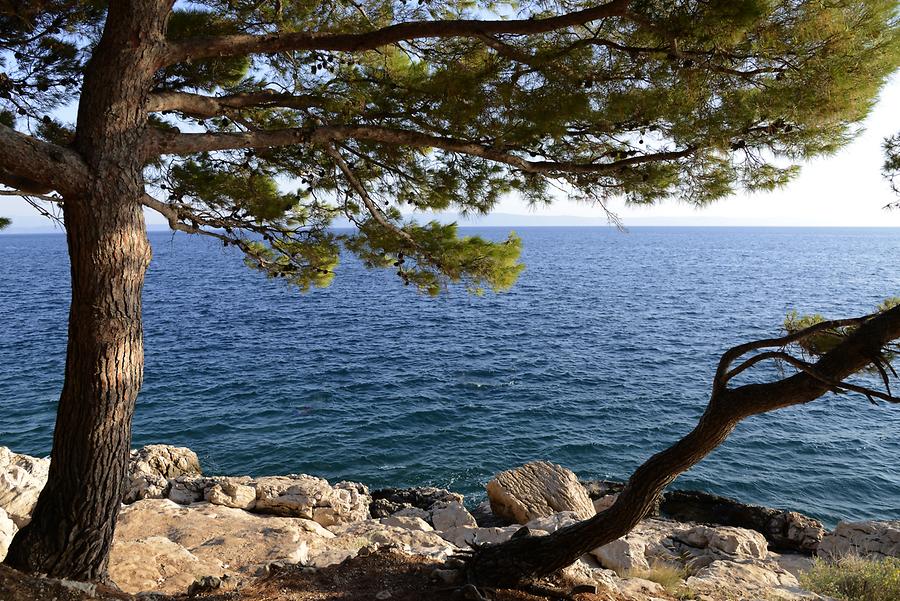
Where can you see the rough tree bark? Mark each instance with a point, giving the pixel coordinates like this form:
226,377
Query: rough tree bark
73,522
524,558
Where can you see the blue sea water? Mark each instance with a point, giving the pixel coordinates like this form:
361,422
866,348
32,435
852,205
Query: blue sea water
601,355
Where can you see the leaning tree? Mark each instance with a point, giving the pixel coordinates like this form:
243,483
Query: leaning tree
258,122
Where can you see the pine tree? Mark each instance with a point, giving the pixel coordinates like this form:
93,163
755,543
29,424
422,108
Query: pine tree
260,122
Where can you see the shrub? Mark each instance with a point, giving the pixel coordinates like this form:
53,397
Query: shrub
854,578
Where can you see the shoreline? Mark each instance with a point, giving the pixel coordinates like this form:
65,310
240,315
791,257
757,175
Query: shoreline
178,525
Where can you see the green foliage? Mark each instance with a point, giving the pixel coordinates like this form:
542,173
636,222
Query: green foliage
208,74
4,222
854,578
435,254
689,100
821,342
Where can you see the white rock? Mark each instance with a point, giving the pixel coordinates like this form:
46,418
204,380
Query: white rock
451,515
409,523
374,533
413,512
232,492
151,467
554,522
21,479
746,579
537,489
739,542
862,538
312,498
156,563
202,536
623,554
466,536
8,530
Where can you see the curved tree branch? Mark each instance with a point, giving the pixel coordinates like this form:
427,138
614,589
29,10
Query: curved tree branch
181,143
37,167
238,45
204,107
527,557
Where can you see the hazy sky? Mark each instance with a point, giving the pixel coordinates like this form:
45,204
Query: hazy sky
846,189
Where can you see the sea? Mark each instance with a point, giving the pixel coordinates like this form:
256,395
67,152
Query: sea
601,355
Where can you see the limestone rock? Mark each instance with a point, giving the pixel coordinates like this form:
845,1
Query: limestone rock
446,515
151,467
739,542
388,501
202,537
21,479
537,489
232,492
623,554
373,533
785,530
8,530
312,498
409,523
746,579
185,490
156,563
467,536
413,512
863,538
554,522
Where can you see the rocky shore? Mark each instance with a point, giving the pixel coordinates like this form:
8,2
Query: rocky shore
178,526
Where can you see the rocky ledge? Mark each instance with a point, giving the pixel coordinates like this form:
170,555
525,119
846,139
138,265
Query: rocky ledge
179,526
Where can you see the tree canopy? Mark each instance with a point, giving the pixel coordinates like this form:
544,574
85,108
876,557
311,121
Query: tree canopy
261,122
269,120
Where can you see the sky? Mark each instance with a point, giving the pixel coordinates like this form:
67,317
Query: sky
843,190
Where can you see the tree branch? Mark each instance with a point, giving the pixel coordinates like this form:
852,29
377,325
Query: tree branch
204,107
37,167
180,144
239,45
527,557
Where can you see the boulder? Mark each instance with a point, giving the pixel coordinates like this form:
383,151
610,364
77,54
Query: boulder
351,537
784,530
691,546
159,541
738,542
312,498
626,554
746,579
232,492
409,523
877,538
388,501
554,522
8,530
467,536
446,515
151,467
21,479
537,489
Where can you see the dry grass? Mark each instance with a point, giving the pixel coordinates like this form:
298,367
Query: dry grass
854,578
669,576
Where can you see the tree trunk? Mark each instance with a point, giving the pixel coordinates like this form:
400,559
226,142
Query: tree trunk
72,526
524,558
520,559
